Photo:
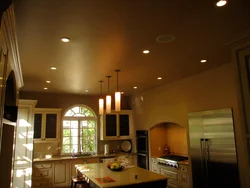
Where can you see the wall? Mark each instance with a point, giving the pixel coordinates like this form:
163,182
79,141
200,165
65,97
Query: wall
213,89
172,135
65,101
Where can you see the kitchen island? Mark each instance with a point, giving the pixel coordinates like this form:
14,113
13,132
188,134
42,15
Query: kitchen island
100,176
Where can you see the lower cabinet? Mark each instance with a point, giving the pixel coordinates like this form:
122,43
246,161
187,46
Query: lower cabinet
61,172
42,175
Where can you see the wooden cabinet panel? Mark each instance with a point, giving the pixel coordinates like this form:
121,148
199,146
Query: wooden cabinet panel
60,174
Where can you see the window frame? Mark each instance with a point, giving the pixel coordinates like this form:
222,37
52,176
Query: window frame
79,119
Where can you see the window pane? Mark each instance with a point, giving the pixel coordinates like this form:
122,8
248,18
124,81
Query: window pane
91,146
74,132
74,124
84,132
75,148
66,140
66,132
84,123
74,140
91,124
66,149
66,124
76,110
90,132
79,115
69,113
88,113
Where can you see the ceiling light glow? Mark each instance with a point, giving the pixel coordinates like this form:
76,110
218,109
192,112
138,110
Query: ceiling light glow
53,68
135,87
86,91
221,3
65,39
48,82
203,61
146,51
159,78
122,92
45,88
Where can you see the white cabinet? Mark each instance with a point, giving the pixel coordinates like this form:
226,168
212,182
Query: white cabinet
61,174
116,125
47,122
42,175
154,167
24,144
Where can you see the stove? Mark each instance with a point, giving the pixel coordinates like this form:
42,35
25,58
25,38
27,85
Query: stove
171,160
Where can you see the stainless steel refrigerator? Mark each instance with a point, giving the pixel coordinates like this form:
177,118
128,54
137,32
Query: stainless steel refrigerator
212,149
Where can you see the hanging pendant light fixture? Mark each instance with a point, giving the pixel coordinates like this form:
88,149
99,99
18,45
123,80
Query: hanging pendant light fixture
117,95
101,101
221,3
108,99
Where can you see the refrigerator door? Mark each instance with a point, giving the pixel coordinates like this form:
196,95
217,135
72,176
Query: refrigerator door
219,149
196,151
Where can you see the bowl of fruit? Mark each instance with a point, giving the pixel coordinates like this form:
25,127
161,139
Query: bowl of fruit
115,166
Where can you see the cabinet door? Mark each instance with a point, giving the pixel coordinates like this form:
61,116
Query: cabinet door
61,174
124,124
38,126
51,125
111,125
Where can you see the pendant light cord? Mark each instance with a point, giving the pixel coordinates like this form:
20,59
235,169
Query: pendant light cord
101,87
117,71
108,83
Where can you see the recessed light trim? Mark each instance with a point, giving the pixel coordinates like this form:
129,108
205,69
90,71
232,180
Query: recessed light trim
203,61
146,51
45,88
48,81
135,87
86,90
65,39
53,68
221,3
159,78
122,92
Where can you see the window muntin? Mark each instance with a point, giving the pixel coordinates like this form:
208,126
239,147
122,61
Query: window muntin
79,131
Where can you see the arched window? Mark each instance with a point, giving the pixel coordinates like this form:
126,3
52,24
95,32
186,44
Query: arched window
79,130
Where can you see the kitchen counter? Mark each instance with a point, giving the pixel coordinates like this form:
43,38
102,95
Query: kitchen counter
183,162
96,173
80,157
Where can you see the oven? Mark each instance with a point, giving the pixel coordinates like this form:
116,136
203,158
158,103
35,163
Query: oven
142,160
142,141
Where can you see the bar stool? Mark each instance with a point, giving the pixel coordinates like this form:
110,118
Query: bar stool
79,181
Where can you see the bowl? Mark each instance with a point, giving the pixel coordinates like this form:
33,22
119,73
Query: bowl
115,166
116,169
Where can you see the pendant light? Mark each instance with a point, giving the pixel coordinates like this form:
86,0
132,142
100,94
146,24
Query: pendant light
221,3
108,99
101,101
117,95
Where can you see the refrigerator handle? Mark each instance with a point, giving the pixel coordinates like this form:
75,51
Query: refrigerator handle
206,154
202,153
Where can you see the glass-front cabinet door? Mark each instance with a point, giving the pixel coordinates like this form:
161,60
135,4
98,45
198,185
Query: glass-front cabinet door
111,125
124,125
47,124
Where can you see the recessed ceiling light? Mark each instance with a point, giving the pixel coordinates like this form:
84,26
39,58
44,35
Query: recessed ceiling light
221,3
45,88
203,61
86,91
146,51
159,78
65,39
122,92
135,87
48,81
53,68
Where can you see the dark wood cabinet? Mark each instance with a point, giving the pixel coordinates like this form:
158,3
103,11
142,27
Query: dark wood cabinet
111,125
124,124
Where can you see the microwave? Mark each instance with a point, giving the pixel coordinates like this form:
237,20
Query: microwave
142,141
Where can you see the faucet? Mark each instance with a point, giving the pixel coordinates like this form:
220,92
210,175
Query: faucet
73,152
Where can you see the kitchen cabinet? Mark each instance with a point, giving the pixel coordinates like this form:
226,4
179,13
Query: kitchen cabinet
154,167
183,176
116,125
61,173
42,175
47,122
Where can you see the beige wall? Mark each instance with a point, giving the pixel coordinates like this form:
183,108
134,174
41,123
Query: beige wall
167,134
213,89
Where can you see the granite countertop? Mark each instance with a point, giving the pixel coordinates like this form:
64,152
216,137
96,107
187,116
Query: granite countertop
69,157
124,178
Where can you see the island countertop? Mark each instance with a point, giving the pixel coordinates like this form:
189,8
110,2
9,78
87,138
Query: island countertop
125,177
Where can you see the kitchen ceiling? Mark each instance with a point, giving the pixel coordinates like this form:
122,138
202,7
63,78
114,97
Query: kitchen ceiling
111,34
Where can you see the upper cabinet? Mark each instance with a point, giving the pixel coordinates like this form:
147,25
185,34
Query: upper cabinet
47,122
116,125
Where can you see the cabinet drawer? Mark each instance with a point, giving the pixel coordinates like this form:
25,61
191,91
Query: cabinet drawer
40,182
170,174
42,166
184,168
41,173
183,178
91,160
154,161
